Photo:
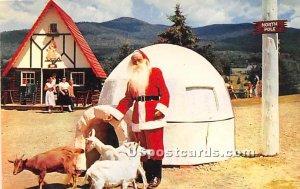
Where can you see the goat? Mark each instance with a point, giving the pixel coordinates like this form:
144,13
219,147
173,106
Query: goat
108,152
109,173
61,160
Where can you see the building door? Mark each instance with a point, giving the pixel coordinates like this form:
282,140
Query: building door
48,73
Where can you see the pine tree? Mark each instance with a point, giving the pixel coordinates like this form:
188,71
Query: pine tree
110,63
124,51
179,33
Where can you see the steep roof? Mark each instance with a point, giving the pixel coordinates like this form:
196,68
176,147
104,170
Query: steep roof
81,42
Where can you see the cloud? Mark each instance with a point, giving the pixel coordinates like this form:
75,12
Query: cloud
291,8
18,15
201,13
96,10
23,13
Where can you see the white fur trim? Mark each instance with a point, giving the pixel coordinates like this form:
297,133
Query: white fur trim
135,127
136,52
117,114
142,112
111,110
149,125
163,108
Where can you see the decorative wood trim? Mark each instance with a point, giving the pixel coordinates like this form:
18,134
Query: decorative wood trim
74,54
68,57
36,44
32,41
30,53
46,45
42,63
64,44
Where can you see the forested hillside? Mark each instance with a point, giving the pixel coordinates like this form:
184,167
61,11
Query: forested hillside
236,44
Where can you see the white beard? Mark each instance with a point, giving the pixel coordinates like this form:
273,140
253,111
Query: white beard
139,78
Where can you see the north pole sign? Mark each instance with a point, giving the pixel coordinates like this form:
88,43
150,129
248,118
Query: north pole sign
270,26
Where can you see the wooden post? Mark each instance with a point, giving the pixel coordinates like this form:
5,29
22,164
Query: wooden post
270,83
42,85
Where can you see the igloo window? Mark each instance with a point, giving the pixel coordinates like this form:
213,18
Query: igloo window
202,101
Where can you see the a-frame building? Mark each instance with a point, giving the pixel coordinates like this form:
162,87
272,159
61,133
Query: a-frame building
54,45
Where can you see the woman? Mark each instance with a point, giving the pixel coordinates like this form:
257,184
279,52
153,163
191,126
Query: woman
49,98
71,92
64,98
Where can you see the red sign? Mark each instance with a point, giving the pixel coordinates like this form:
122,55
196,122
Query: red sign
270,26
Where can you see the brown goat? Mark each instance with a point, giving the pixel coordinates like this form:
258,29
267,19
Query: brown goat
61,160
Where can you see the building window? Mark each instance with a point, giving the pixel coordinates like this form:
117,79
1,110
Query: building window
27,77
53,28
78,78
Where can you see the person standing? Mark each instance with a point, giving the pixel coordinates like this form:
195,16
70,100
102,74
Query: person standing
54,85
250,89
53,80
149,95
259,88
255,86
49,97
71,92
64,98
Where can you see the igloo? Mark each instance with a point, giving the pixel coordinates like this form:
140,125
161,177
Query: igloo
200,120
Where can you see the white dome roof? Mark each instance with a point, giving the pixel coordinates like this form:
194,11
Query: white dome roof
197,91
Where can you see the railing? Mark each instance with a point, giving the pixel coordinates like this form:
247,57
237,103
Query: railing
83,97
7,96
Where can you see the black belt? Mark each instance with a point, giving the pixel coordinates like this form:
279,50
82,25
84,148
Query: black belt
146,98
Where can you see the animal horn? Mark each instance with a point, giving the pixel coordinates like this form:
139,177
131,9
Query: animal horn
92,133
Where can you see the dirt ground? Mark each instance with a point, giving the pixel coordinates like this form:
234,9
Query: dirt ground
32,132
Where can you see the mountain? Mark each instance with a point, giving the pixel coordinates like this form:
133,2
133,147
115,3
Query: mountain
234,44
105,38
223,31
109,36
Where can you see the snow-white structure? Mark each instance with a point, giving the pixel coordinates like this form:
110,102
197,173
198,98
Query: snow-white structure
200,121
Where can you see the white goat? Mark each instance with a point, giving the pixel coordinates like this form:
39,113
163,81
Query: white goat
109,173
108,152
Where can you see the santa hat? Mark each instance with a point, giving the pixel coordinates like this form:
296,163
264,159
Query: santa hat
140,52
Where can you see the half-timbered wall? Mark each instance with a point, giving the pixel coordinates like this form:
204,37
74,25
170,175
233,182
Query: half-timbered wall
34,52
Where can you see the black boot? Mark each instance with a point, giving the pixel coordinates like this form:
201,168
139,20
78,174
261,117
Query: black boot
148,167
155,173
158,168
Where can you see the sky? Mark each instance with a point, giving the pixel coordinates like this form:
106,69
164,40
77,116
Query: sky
21,14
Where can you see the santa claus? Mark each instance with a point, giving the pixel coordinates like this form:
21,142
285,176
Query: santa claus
149,95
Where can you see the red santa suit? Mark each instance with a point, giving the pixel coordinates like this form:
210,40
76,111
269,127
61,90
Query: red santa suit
149,130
